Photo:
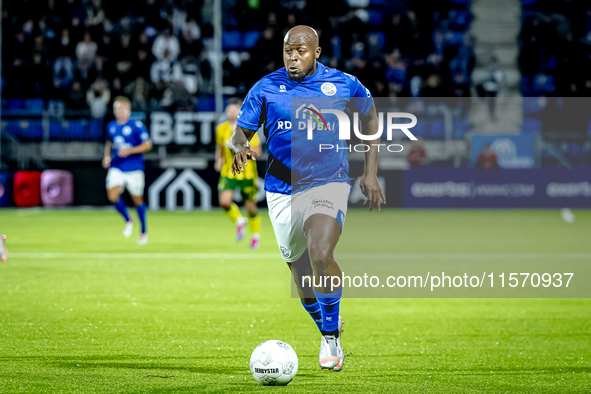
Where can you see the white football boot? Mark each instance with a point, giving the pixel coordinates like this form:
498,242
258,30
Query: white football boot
143,239
332,356
128,229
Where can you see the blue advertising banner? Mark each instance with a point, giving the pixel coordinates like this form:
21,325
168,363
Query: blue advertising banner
513,151
472,188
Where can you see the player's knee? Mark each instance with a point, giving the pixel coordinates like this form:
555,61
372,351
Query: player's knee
113,197
252,213
321,257
225,206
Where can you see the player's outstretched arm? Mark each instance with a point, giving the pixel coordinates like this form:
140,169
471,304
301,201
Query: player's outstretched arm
241,148
369,180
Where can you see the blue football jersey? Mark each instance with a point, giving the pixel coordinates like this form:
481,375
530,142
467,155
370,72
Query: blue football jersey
276,101
127,135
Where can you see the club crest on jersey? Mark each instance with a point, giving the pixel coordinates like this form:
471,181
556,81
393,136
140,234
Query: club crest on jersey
282,88
126,130
328,88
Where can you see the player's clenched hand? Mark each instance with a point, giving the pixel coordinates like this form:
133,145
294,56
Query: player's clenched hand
370,187
240,160
106,162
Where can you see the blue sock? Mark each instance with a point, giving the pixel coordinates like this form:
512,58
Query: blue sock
141,212
314,311
122,209
329,307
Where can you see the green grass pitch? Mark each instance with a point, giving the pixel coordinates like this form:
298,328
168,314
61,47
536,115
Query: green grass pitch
78,313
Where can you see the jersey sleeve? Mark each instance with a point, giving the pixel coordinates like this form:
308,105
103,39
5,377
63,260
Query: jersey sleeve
142,131
362,98
249,116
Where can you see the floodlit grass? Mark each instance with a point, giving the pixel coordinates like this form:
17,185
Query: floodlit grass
95,316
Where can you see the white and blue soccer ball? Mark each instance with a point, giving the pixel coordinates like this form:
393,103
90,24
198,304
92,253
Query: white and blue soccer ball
274,363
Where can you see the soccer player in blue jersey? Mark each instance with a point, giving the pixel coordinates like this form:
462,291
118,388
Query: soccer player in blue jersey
127,141
307,193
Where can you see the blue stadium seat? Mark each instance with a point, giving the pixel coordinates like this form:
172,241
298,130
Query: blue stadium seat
25,130
526,3
76,129
57,131
377,2
95,129
531,125
16,104
35,106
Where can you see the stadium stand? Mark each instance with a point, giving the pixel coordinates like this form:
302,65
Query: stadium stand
83,53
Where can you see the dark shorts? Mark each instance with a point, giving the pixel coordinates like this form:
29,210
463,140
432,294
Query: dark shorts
248,187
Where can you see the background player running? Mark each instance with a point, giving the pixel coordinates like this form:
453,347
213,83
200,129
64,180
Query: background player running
229,182
126,142
307,193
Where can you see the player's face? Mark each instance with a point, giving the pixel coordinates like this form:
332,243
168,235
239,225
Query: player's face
299,59
232,112
121,110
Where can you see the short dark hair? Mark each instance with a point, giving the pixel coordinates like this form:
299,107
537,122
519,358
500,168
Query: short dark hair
234,101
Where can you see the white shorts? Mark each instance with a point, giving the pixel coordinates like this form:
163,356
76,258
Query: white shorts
134,181
288,214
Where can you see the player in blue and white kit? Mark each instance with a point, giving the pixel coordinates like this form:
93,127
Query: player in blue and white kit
127,140
307,190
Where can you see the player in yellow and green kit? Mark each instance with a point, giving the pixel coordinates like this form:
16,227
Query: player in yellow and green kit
245,181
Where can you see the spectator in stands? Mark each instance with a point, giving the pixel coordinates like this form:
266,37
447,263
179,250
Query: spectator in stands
165,70
417,155
41,84
98,98
95,17
86,51
166,46
490,86
76,99
487,158
139,93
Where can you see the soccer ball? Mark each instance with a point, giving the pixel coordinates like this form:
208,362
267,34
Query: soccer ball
274,363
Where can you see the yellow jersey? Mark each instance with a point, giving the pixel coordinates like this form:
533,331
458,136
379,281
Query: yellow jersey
223,134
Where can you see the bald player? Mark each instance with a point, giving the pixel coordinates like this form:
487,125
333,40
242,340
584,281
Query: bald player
307,194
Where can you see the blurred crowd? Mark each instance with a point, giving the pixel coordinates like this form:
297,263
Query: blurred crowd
157,52
555,48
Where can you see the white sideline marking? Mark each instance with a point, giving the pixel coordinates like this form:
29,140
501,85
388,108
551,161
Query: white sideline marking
275,256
